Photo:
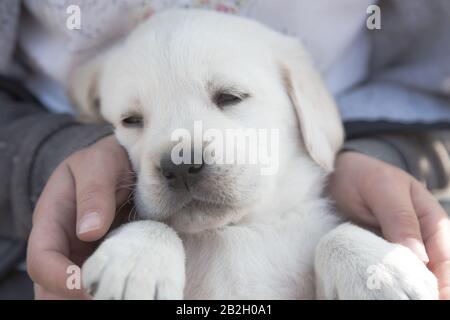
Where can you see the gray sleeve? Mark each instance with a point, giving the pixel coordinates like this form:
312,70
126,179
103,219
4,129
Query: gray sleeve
32,143
425,155
9,18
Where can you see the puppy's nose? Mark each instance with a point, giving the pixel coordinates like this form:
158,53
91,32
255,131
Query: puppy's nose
179,174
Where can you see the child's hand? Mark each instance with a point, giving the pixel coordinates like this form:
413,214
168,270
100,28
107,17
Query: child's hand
376,194
77,206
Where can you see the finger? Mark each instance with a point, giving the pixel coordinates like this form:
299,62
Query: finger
97,196
435,227
392,205
51,269
48,245
442,272
444,294
42,294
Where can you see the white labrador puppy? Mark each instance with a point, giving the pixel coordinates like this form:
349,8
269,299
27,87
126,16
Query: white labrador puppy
226,231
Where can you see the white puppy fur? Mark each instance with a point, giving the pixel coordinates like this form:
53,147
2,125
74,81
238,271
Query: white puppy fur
235,233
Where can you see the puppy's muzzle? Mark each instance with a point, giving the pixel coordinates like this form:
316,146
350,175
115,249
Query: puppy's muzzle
180,176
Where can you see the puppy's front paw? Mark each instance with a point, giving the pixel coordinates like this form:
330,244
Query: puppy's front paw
123,268
396,275
352,263
401,275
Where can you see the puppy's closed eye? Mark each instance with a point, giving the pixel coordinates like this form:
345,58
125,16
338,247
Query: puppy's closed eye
133,121
223,98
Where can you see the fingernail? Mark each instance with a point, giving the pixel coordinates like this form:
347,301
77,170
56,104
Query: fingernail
418,248
89,222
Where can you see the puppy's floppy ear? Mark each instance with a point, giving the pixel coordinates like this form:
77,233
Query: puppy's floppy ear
319,120
83,89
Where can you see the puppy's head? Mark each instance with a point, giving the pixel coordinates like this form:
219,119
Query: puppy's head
197,72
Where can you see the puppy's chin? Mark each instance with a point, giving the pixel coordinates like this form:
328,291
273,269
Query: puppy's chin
198,216
187,215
